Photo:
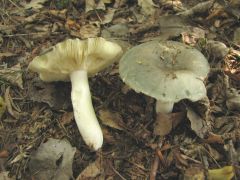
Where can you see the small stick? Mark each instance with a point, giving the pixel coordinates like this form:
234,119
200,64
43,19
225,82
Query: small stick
154,168
123,178
160,155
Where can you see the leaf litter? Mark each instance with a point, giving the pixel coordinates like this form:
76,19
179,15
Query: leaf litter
139,143
53,159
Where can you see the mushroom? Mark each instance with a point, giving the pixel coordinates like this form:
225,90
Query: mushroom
168,71
74,60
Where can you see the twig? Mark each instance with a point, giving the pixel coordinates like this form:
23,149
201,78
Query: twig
160,155
98,16
138,166
15,5
215,161
117,173
154,168
28,34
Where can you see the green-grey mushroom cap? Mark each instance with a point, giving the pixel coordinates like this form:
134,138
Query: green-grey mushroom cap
168,71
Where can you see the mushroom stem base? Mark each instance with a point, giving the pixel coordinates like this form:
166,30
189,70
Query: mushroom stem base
164,107
84,114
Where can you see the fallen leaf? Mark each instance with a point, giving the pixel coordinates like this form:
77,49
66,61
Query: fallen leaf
56,95
2,106
6,54
118,30
173,26
91,171
225,173
4,176
108,137
198,124
19,157
34,4
67,118
233,99
165,123
12,75
194,173
212,152
176,5
9,104
147,7
193,35
92,5
107,1
52,160
236,37
89,31
217,49
108,17
214,138
202,7
4,154
62,4
110,119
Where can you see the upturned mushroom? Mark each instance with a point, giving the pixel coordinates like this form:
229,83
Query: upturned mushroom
74,60
169,71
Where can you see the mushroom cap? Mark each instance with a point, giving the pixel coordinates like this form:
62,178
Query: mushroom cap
92,55
168,71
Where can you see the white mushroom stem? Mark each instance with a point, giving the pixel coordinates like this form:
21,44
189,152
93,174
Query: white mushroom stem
84,114
164,107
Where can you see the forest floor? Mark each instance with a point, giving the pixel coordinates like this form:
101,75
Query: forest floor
197,140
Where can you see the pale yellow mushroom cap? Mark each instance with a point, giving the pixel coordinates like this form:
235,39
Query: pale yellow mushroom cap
92,55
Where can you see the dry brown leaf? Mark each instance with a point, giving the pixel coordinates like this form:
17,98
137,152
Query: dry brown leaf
147,7
6,54
198,124
233,99
52,160
89,31
13,75
92,5
34,4
91,171
214,138
9,104
217,49
202,7
4,176
108,17
2,106
194,173
193,35
107,1
4,154
67,118
58,13
176,5
49,93
236,36
165,123
110,119
108,138
212,152
173,26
